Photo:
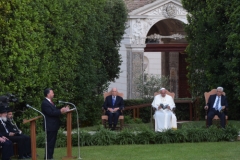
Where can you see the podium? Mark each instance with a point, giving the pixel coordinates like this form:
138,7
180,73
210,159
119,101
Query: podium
69,136
33,135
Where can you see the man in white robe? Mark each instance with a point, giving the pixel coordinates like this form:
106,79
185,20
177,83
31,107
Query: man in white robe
164,118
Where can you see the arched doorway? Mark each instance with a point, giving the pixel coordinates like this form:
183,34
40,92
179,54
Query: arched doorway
154,17
167,38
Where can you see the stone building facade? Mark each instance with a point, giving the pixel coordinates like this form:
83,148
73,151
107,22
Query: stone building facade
165,18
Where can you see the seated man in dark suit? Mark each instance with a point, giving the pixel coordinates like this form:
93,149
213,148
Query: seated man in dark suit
12,127
216,105
113,105
22,144
7,148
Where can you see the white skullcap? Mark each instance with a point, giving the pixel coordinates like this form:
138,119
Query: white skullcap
162,89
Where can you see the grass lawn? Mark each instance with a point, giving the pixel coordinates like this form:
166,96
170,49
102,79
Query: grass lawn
177,151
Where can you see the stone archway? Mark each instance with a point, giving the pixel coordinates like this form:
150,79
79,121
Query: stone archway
167,38
140,22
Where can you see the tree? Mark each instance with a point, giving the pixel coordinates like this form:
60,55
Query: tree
147,85
65,45
213,48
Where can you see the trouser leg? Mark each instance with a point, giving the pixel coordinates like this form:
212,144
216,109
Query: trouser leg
110,117
221,116
20,143
7,150
210,116
27,144
115,118
51,141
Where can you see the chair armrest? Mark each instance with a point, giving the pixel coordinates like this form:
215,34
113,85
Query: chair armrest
103,111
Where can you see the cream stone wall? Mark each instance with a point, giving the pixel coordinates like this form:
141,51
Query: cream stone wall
143,14
154,66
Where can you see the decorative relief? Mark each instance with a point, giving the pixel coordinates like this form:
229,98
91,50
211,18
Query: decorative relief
159,37
140,28
168,10
137,70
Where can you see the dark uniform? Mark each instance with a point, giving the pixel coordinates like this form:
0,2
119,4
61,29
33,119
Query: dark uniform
7,149
23,145
12,128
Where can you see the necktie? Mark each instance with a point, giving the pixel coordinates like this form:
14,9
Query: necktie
217,107
113,100
52,102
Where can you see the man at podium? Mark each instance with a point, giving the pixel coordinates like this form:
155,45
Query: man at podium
52,115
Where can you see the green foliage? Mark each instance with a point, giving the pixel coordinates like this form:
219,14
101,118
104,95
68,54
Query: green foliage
85,139
104,137
125,137
61,138
70,46
146,136
213,50
147,85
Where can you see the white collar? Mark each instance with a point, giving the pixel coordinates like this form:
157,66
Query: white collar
48,99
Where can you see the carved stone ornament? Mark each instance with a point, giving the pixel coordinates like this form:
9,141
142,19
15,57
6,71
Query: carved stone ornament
159,37
170,10
140,28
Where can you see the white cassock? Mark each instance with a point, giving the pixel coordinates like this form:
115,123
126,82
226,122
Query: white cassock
164,118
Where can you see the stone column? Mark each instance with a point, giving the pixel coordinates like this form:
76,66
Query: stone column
173,68
134,68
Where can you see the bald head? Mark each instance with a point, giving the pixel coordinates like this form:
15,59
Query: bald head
114,91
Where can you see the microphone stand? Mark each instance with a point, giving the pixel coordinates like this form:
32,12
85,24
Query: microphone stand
45,126
79,157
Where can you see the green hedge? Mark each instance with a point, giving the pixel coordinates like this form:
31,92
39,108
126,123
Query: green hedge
70,46
105,137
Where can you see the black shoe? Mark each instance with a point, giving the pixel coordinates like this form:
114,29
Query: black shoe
28,156
22,157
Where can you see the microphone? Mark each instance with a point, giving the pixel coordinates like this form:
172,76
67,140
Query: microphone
75,108
45,125
63,102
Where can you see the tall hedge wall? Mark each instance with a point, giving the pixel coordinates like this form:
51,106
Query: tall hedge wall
68,45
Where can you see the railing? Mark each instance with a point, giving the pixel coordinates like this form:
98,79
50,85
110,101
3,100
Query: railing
189,101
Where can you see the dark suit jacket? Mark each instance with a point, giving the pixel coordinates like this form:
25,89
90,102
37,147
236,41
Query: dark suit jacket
3,130
11,127
118,103
52,115
212,99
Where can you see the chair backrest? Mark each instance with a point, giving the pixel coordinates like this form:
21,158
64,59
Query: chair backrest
110,93
172,94
208,94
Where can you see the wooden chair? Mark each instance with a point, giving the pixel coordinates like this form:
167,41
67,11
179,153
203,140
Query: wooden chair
207,95
172,94
105,117
15,150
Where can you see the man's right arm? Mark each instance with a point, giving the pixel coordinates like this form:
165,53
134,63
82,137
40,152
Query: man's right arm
105,104
46,109
208,103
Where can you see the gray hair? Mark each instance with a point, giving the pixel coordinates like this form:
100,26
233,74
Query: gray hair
220,89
